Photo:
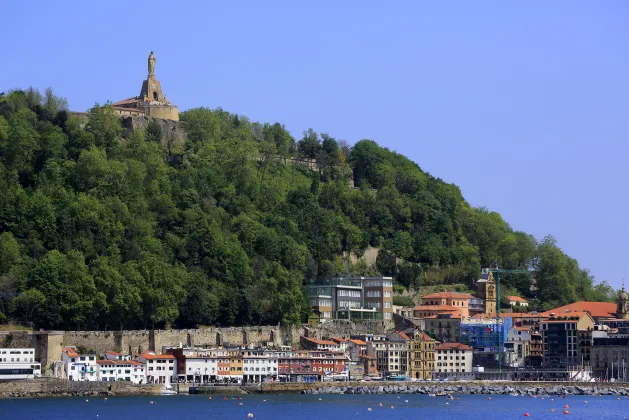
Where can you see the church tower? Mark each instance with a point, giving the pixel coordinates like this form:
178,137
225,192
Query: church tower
486,290
622,304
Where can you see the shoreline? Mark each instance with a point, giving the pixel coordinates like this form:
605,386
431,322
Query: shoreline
47,387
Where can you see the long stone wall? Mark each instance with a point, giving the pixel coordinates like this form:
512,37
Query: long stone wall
48,345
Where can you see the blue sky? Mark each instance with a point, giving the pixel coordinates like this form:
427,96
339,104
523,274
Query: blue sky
524,105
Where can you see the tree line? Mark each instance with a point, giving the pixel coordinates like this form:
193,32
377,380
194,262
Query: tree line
101,231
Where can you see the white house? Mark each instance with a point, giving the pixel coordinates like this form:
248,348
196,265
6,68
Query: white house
158,367
139,372
453,357
516,301
18,363
200,367
79,367
259,365
115,370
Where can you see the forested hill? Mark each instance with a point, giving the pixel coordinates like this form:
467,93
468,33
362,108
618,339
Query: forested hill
101,232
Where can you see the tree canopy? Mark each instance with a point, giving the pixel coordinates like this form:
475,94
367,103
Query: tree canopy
100,231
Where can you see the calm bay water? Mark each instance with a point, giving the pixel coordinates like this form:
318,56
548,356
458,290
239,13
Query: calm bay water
284,407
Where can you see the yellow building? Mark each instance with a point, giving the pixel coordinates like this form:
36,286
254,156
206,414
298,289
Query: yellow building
422,355
486,290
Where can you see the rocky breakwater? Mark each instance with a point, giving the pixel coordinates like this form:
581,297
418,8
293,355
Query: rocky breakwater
472,389
45,387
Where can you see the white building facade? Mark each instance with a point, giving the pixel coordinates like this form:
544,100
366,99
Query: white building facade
453,357
259,366
159,368
79,367
18,363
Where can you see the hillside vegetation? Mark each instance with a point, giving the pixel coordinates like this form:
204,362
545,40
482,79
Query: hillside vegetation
97,231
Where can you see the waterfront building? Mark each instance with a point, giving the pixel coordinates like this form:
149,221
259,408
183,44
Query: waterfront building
397,353
79,367
453,357
460,301
18,363
195,365
159,368
486,335
352,298
259,365
421,355
517,346
356,348
116,370
560,334
610,357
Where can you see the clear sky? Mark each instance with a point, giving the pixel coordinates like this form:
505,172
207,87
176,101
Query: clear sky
524,105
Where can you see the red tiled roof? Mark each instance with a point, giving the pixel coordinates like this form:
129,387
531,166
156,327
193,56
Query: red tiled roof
567,317
70,352
448,295
452,346
403,335
339,339
149,356
114,362
595,309
358,342
424,336
114,353
516,299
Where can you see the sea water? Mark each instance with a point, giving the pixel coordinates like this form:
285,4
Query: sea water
328,407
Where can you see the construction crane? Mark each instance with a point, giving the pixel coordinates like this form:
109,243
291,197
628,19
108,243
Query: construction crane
497,271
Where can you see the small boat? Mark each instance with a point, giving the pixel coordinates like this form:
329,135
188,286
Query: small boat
442,394
431,395
167,388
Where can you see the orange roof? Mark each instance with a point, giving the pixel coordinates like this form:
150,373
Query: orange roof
442,308
358,342
134,362
523,328
70,352
595,309
114,362
403,335
448,295
452,346
149,356
114,353
339,339
516,299
425,336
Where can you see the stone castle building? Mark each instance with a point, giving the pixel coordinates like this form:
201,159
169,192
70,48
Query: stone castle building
151,102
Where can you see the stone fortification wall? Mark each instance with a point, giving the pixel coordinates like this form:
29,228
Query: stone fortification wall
48,345
172,131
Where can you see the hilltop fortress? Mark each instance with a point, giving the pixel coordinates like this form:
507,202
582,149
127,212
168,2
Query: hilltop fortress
151,102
